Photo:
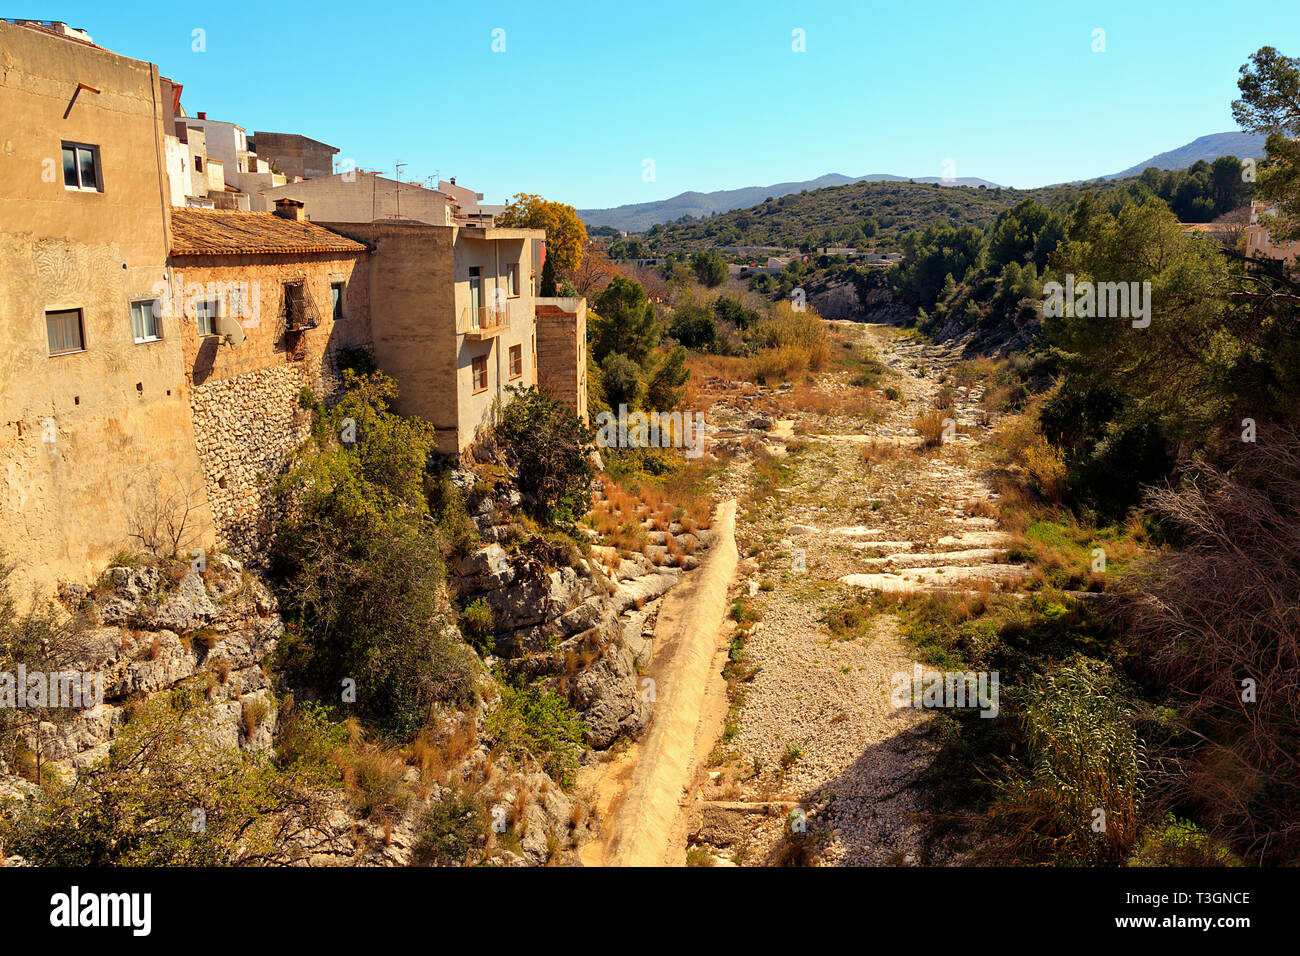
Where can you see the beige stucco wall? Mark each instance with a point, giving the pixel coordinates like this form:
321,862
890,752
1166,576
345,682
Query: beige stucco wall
491,256
363,197
410,316
419,277
84,438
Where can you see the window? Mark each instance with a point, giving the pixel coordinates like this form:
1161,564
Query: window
479,369
205,313
475,295
198,164
336,300
65,331
81,167
516,361
295,306
512,278
145,326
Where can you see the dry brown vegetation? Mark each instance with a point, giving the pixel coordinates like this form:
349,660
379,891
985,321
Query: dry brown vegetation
929,426
1218,623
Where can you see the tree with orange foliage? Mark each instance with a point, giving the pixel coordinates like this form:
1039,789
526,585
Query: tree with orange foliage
565,232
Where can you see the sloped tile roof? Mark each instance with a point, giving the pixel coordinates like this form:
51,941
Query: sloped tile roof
215,232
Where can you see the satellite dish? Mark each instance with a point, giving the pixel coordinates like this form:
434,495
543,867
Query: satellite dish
232,331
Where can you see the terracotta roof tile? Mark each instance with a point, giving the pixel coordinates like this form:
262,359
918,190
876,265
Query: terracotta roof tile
215,232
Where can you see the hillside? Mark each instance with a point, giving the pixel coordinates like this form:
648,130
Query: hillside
636,217
857,213
1208,148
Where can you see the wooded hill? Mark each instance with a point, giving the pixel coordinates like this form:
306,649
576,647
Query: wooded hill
858,214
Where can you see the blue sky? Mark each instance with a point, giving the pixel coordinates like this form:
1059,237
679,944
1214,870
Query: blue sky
713,93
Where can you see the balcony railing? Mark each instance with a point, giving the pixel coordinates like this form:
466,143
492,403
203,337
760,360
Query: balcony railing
483,322
300,309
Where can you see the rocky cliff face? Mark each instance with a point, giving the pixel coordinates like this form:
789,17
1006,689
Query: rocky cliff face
580,619
857,295
150,628
588,625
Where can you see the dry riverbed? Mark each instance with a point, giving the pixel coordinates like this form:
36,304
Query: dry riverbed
815,765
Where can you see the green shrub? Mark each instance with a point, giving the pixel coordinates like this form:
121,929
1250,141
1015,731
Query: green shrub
449,830
447,505
1175,842
694,328
620,379
538,722
168,794
478,625
1077,789
359,572
549,446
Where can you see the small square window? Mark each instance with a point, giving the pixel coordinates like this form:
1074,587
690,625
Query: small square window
205,314
65,331
145,326
337,290
516,361
479,376
81,167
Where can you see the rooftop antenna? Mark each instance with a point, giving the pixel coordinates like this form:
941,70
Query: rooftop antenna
397,174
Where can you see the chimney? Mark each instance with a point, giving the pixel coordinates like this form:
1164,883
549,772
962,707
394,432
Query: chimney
203,116
289,209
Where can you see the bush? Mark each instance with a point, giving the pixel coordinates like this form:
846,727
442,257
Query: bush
479,626
620,379
447,505
729,310
539,723
1175,842
449,830
710,268
694,328
549,444
1081,755
358,572
929,426
800,330
778,364
665,384
1218,616
163,774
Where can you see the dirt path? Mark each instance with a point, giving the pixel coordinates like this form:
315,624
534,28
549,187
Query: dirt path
639,793
856,506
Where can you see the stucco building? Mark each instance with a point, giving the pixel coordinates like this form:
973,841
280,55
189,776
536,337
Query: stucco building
157,352
1259,244
296,156
95,424
264,304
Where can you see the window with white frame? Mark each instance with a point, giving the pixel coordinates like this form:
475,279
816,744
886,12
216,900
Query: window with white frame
145,326
81,167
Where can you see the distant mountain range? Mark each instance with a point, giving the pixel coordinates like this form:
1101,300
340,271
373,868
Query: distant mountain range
637,217
1208,148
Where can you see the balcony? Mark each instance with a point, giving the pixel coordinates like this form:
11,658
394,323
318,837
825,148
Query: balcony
484,322
300,309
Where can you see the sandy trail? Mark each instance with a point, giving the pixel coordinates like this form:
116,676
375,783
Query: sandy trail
640,793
